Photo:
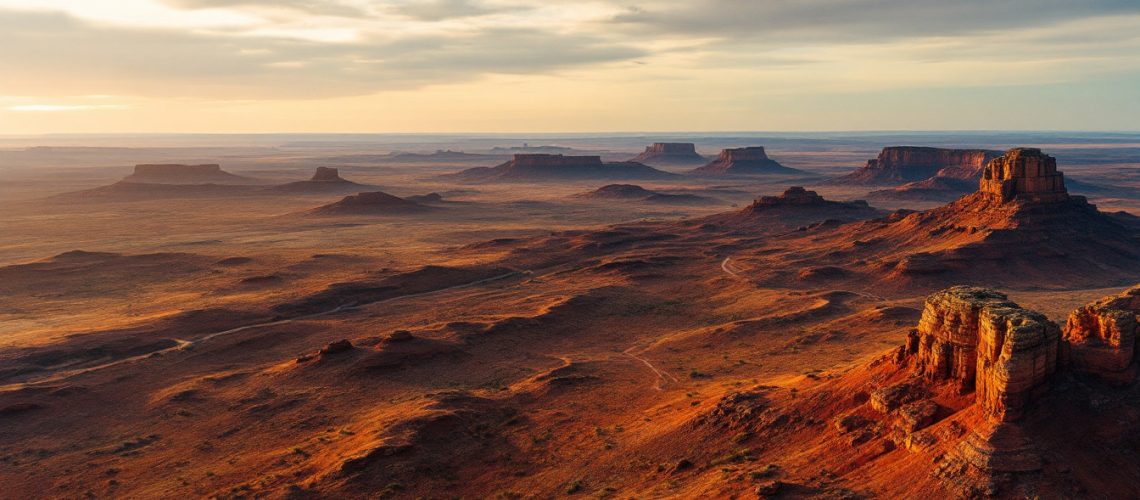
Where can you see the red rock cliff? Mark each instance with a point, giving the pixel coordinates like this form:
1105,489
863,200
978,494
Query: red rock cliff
900,164
986,343
1024,174
1101,337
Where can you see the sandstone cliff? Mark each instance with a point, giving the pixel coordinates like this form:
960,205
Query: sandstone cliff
670,153
1101,337
744,161
901,164
985,343
1020,226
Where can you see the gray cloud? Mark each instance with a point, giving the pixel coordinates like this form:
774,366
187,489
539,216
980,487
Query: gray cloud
99,59
855,20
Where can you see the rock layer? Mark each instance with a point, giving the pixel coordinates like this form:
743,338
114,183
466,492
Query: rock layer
902,164
1101,337
172,173
326,174
670,153
981,340
1024,174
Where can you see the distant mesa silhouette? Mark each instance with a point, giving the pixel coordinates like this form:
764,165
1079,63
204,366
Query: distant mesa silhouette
557,167
633,192
671,154
745,161
324,180
173,173
897,165
371,203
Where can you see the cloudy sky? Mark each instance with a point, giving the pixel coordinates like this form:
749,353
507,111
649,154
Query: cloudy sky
559,65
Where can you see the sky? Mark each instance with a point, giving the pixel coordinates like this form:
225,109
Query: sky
261,66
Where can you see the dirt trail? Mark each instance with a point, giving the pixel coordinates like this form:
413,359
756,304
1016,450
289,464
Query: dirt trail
181,344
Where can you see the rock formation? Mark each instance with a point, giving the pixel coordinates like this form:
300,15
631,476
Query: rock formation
1101,337
796,208
744,161
902,164
324,180
632,192
550,167
1020,225
184,174
670,153
372,203
983,342
326,174
1024,174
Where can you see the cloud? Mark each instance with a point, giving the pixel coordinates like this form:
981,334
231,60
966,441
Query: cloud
82,58
319,7
855,20
438,10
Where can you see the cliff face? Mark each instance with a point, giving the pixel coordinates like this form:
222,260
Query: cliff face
1024,174
983,342
184,174
326,174
902,164
1101,337
744,161
670,153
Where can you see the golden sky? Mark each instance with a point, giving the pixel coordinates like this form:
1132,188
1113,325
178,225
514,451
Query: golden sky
103,66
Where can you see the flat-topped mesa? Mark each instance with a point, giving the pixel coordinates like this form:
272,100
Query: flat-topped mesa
751,153
673,153
902,164
174,169
744,161
675,148
326,174
1024,174
1100,338
554,160
983,341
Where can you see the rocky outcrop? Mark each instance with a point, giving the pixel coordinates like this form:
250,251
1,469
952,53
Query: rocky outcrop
373,203
632,192
1019,227
901,164
744,161
1024,174
326,174
324,181
983,342
552,167
670,153
172,173
1101,337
